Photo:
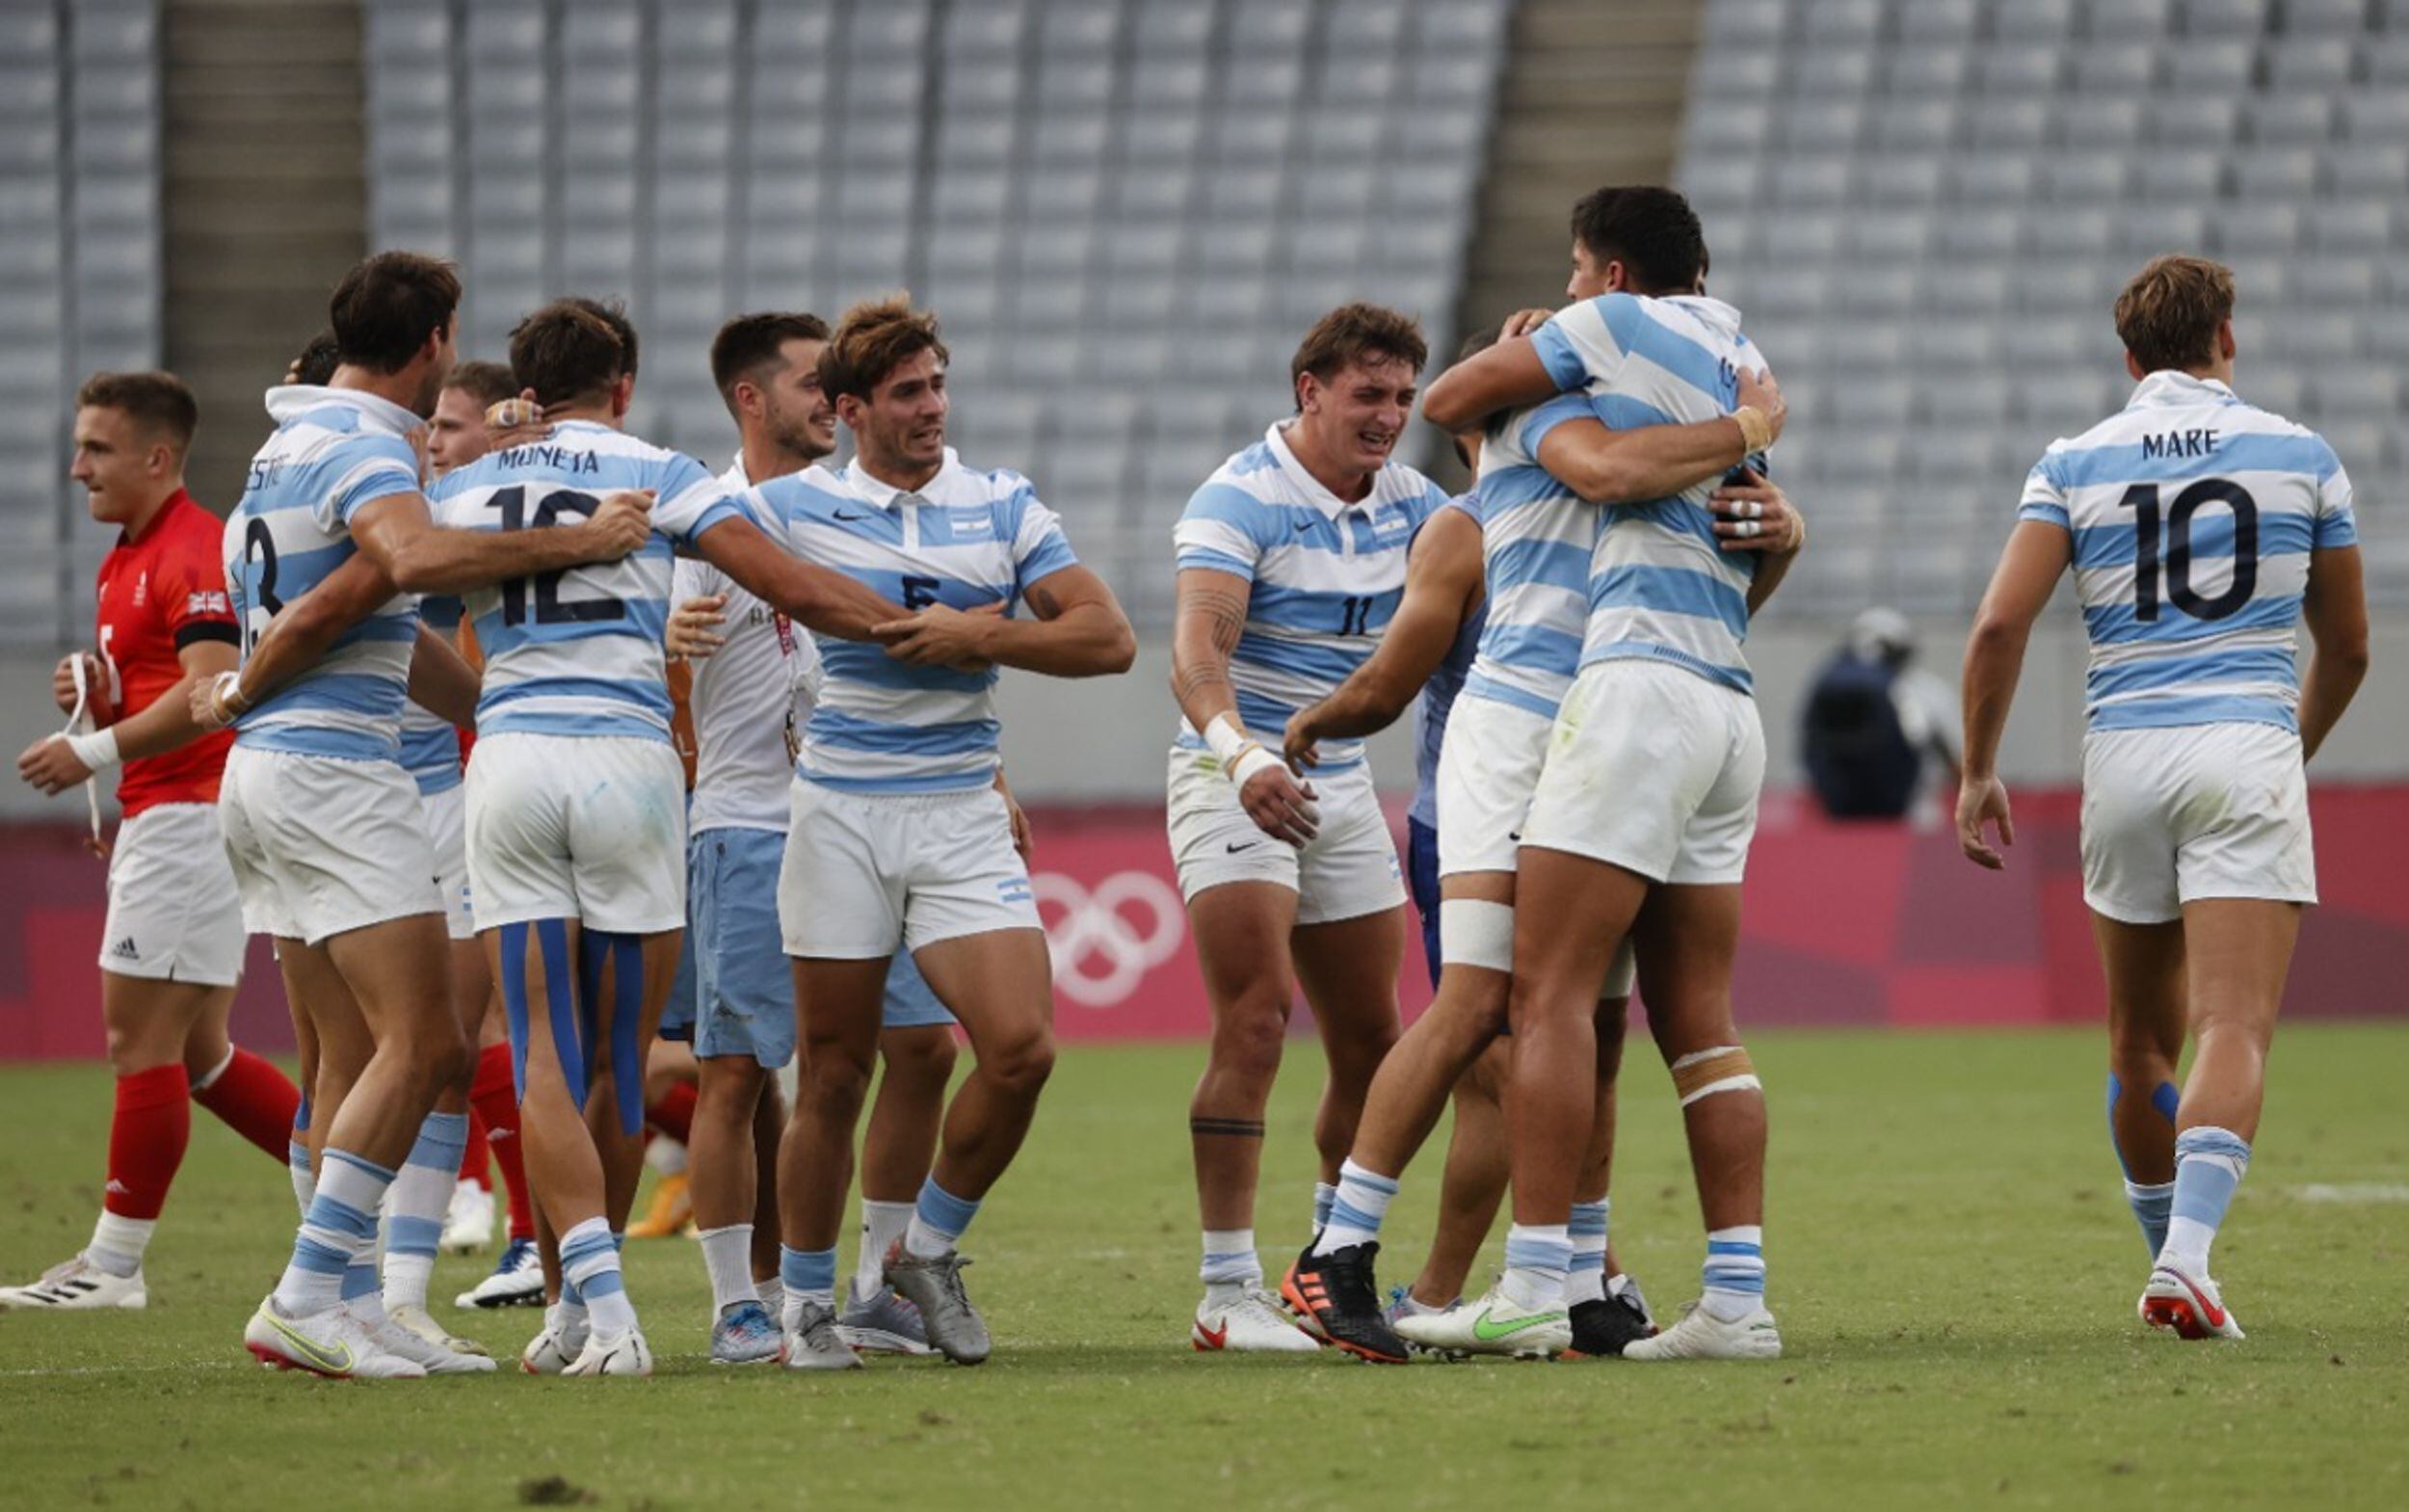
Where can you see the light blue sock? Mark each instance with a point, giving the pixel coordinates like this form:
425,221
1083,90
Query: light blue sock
1325,1198
1736,1272
1355,1213
1585,1281
808,1275
1537,1257
422,1194
2209,1164
938,1220
341,1224
589,1261
2152,1207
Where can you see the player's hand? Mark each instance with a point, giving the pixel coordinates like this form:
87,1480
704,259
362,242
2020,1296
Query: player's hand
515,422
622,525
62,680
1755,516
49,764
1982,800
690,627
1023,840
940,636
1757,388
1281,805
1523,321
1302,743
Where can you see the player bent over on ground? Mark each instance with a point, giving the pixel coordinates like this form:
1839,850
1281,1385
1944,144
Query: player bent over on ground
899,833
2202,530
324,555
1536,561
172,949
577,810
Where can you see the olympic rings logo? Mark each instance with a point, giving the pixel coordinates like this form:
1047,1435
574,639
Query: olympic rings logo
1100,954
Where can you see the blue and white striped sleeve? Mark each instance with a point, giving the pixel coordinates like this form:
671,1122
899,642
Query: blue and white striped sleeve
1536,423
1218,531
365,468
2336,519
689,501
2045,499
1039,548
1586,342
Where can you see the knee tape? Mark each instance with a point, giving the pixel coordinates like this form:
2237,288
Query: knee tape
624,956
561,1013
1726,1068
1476,932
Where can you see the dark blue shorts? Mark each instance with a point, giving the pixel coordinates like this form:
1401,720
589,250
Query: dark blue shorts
1421,875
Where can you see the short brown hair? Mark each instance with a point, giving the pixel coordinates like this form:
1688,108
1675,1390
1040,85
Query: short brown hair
387,306
157,403
2169,314
614,314
565,352
318,361
750,343
487,382
1357,335
873,339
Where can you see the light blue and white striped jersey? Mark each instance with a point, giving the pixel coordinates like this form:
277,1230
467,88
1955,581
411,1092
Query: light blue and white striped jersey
1326,577
1659,589
333,450
2194,515
1537,536
579,653
430,745
964,538
1439,696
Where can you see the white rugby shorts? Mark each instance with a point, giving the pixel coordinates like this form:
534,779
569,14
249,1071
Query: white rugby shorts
175,915
446,815
1347,870
322,845
1654,769
584,827
866,874
1488,769
2193,811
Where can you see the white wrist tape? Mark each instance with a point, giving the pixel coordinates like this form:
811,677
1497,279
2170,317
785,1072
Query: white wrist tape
1252,759
98,751
1225,737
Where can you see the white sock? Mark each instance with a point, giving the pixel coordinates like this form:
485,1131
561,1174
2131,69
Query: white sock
882,1225
727,1256
118,1244
1230,1264
773,1295
1736,1272
339,1229
415,1206
590,1260
1355,1212
1586,1280
1537,1257
1324,1195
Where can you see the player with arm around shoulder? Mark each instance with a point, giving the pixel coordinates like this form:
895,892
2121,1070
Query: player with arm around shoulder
2202,531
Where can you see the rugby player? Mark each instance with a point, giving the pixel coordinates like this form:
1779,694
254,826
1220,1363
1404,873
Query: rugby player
2202,531
899,834
576,811
171,949
325,556
1292,560
1536,562
753,680
1659,716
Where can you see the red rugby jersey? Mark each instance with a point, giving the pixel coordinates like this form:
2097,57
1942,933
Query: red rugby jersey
159,592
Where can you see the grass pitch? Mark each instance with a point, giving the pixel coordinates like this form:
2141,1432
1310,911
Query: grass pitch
1951,1259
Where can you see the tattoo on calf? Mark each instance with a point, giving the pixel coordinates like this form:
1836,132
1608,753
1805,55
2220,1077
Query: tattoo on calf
1234,1128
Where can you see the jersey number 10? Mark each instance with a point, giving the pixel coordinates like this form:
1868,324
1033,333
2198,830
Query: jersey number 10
2175,566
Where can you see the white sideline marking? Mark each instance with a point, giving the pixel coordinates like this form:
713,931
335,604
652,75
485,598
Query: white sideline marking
120,1369
2352,1192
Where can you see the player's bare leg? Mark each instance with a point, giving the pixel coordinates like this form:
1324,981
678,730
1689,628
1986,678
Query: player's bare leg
1472,1184
2239,951
1687,938
2144,968
917,1064
518,1276
420,1203
1242,932
468,1213
1606,1316
837,1016
1348,969
999,984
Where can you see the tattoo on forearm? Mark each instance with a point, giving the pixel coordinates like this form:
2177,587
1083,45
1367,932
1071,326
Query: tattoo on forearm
1223,614
1234,1128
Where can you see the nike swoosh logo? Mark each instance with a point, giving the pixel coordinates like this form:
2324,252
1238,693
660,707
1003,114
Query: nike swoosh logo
1248,846
1516,836
1490,1333
841,514
2215,1315
1214,1338
339,1363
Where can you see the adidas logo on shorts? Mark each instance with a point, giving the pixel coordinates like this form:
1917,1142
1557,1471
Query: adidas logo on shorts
125,950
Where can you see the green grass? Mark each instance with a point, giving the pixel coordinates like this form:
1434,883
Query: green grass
1951,1262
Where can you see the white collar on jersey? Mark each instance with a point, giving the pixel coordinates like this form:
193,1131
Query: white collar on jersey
2170,386
885,496
287,400
1321,498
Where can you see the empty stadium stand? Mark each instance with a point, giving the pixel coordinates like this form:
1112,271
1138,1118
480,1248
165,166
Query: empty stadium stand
1926,208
